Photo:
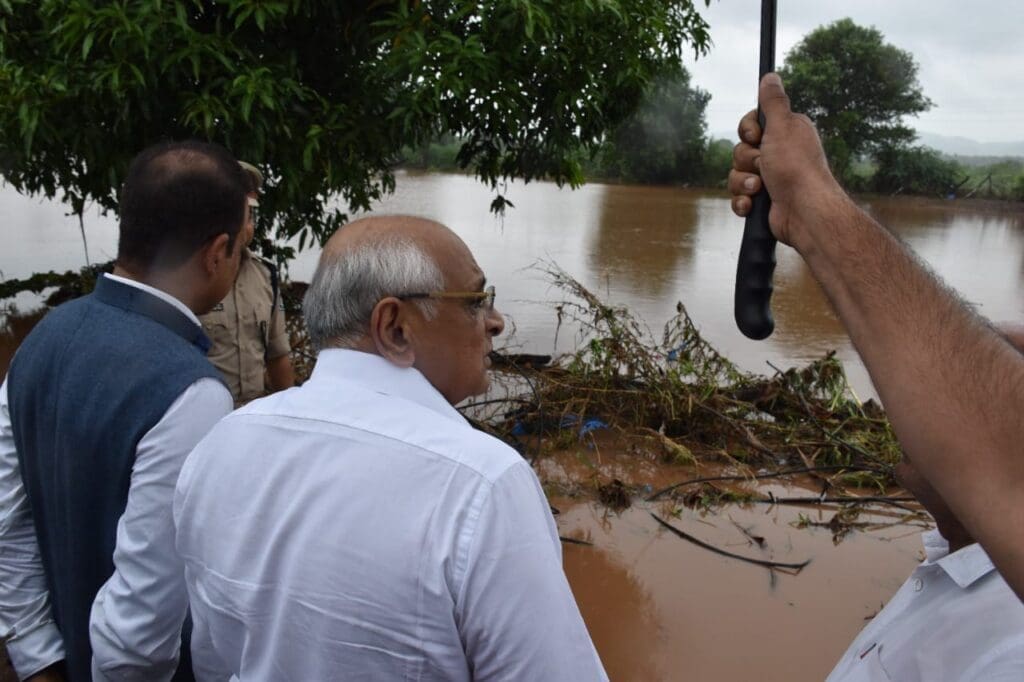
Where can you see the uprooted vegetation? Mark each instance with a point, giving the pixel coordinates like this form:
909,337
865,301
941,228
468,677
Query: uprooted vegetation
691,401
681,399
675,396
678,395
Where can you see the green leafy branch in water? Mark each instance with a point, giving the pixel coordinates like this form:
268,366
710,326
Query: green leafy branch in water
681,395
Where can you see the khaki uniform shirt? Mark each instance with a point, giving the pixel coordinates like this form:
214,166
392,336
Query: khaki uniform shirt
246,329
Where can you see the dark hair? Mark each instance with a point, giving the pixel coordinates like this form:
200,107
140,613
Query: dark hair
176,198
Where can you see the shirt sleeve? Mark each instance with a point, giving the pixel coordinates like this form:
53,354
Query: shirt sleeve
516,614
136,619
277,337
26,621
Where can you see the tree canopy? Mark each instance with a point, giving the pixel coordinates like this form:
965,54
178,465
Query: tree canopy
664,141
323,95
856,88
915,170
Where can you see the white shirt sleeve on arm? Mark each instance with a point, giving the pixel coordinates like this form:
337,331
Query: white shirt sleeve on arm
517,616
26,621
135,624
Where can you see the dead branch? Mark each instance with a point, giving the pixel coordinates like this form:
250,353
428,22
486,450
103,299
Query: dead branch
796,567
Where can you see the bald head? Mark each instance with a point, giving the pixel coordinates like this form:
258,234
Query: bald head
368,260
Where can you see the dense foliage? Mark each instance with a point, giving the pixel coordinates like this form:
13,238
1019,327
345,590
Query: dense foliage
915,170
664,141
856,88
322,94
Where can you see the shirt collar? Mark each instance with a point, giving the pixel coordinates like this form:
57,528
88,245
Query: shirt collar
159,293
964,566
381,376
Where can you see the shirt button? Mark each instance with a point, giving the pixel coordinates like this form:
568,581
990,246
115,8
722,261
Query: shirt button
918,584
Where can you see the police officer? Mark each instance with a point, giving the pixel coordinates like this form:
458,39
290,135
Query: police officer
250,342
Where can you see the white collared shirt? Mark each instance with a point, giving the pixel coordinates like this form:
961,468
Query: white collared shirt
954,619
136,619
357,527
159,293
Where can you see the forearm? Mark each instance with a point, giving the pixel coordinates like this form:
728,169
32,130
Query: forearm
279,373
951,385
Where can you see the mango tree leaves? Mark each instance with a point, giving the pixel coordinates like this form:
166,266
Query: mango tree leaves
323,95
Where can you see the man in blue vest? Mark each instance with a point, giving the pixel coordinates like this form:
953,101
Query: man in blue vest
102,403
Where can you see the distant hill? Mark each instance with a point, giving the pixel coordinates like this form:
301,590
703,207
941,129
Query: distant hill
962,146
947,144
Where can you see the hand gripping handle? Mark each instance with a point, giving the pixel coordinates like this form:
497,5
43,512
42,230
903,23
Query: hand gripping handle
756,266
754,272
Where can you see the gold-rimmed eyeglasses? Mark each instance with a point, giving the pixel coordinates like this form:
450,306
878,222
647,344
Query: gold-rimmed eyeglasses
483,299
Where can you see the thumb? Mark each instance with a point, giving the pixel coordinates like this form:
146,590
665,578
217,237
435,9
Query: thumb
772,97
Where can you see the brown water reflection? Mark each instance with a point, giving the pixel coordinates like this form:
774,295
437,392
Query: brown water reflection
659,608
641,247
638,242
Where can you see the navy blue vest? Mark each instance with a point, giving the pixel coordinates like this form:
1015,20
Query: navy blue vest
85,386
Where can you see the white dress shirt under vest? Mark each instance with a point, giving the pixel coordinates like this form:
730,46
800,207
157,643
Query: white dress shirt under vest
954,620
357,527
135,623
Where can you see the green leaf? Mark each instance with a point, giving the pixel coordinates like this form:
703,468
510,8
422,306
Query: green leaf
87,45
247,101
242,16
137,72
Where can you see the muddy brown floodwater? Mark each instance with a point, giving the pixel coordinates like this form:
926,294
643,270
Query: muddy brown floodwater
660,608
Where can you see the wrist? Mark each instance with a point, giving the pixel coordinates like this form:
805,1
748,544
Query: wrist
819,216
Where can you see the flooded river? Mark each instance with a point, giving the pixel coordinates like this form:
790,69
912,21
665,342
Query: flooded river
642,247
660,608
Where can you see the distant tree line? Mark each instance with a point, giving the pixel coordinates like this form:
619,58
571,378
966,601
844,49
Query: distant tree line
855,86
664,141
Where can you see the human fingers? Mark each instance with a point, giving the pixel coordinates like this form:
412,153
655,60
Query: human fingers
773,98
749,129
743,184
744,158
741,206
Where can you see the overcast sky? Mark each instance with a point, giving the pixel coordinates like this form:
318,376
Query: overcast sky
970,54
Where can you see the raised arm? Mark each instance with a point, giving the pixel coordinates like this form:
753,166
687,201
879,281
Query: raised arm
953,387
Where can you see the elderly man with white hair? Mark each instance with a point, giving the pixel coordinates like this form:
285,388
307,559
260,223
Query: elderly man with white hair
357,527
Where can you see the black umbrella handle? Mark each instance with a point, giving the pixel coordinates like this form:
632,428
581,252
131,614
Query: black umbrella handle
756,266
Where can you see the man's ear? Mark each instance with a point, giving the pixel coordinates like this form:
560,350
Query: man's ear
390,332
216,252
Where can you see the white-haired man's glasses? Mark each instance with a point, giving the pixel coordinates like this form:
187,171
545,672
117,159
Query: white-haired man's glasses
483,300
